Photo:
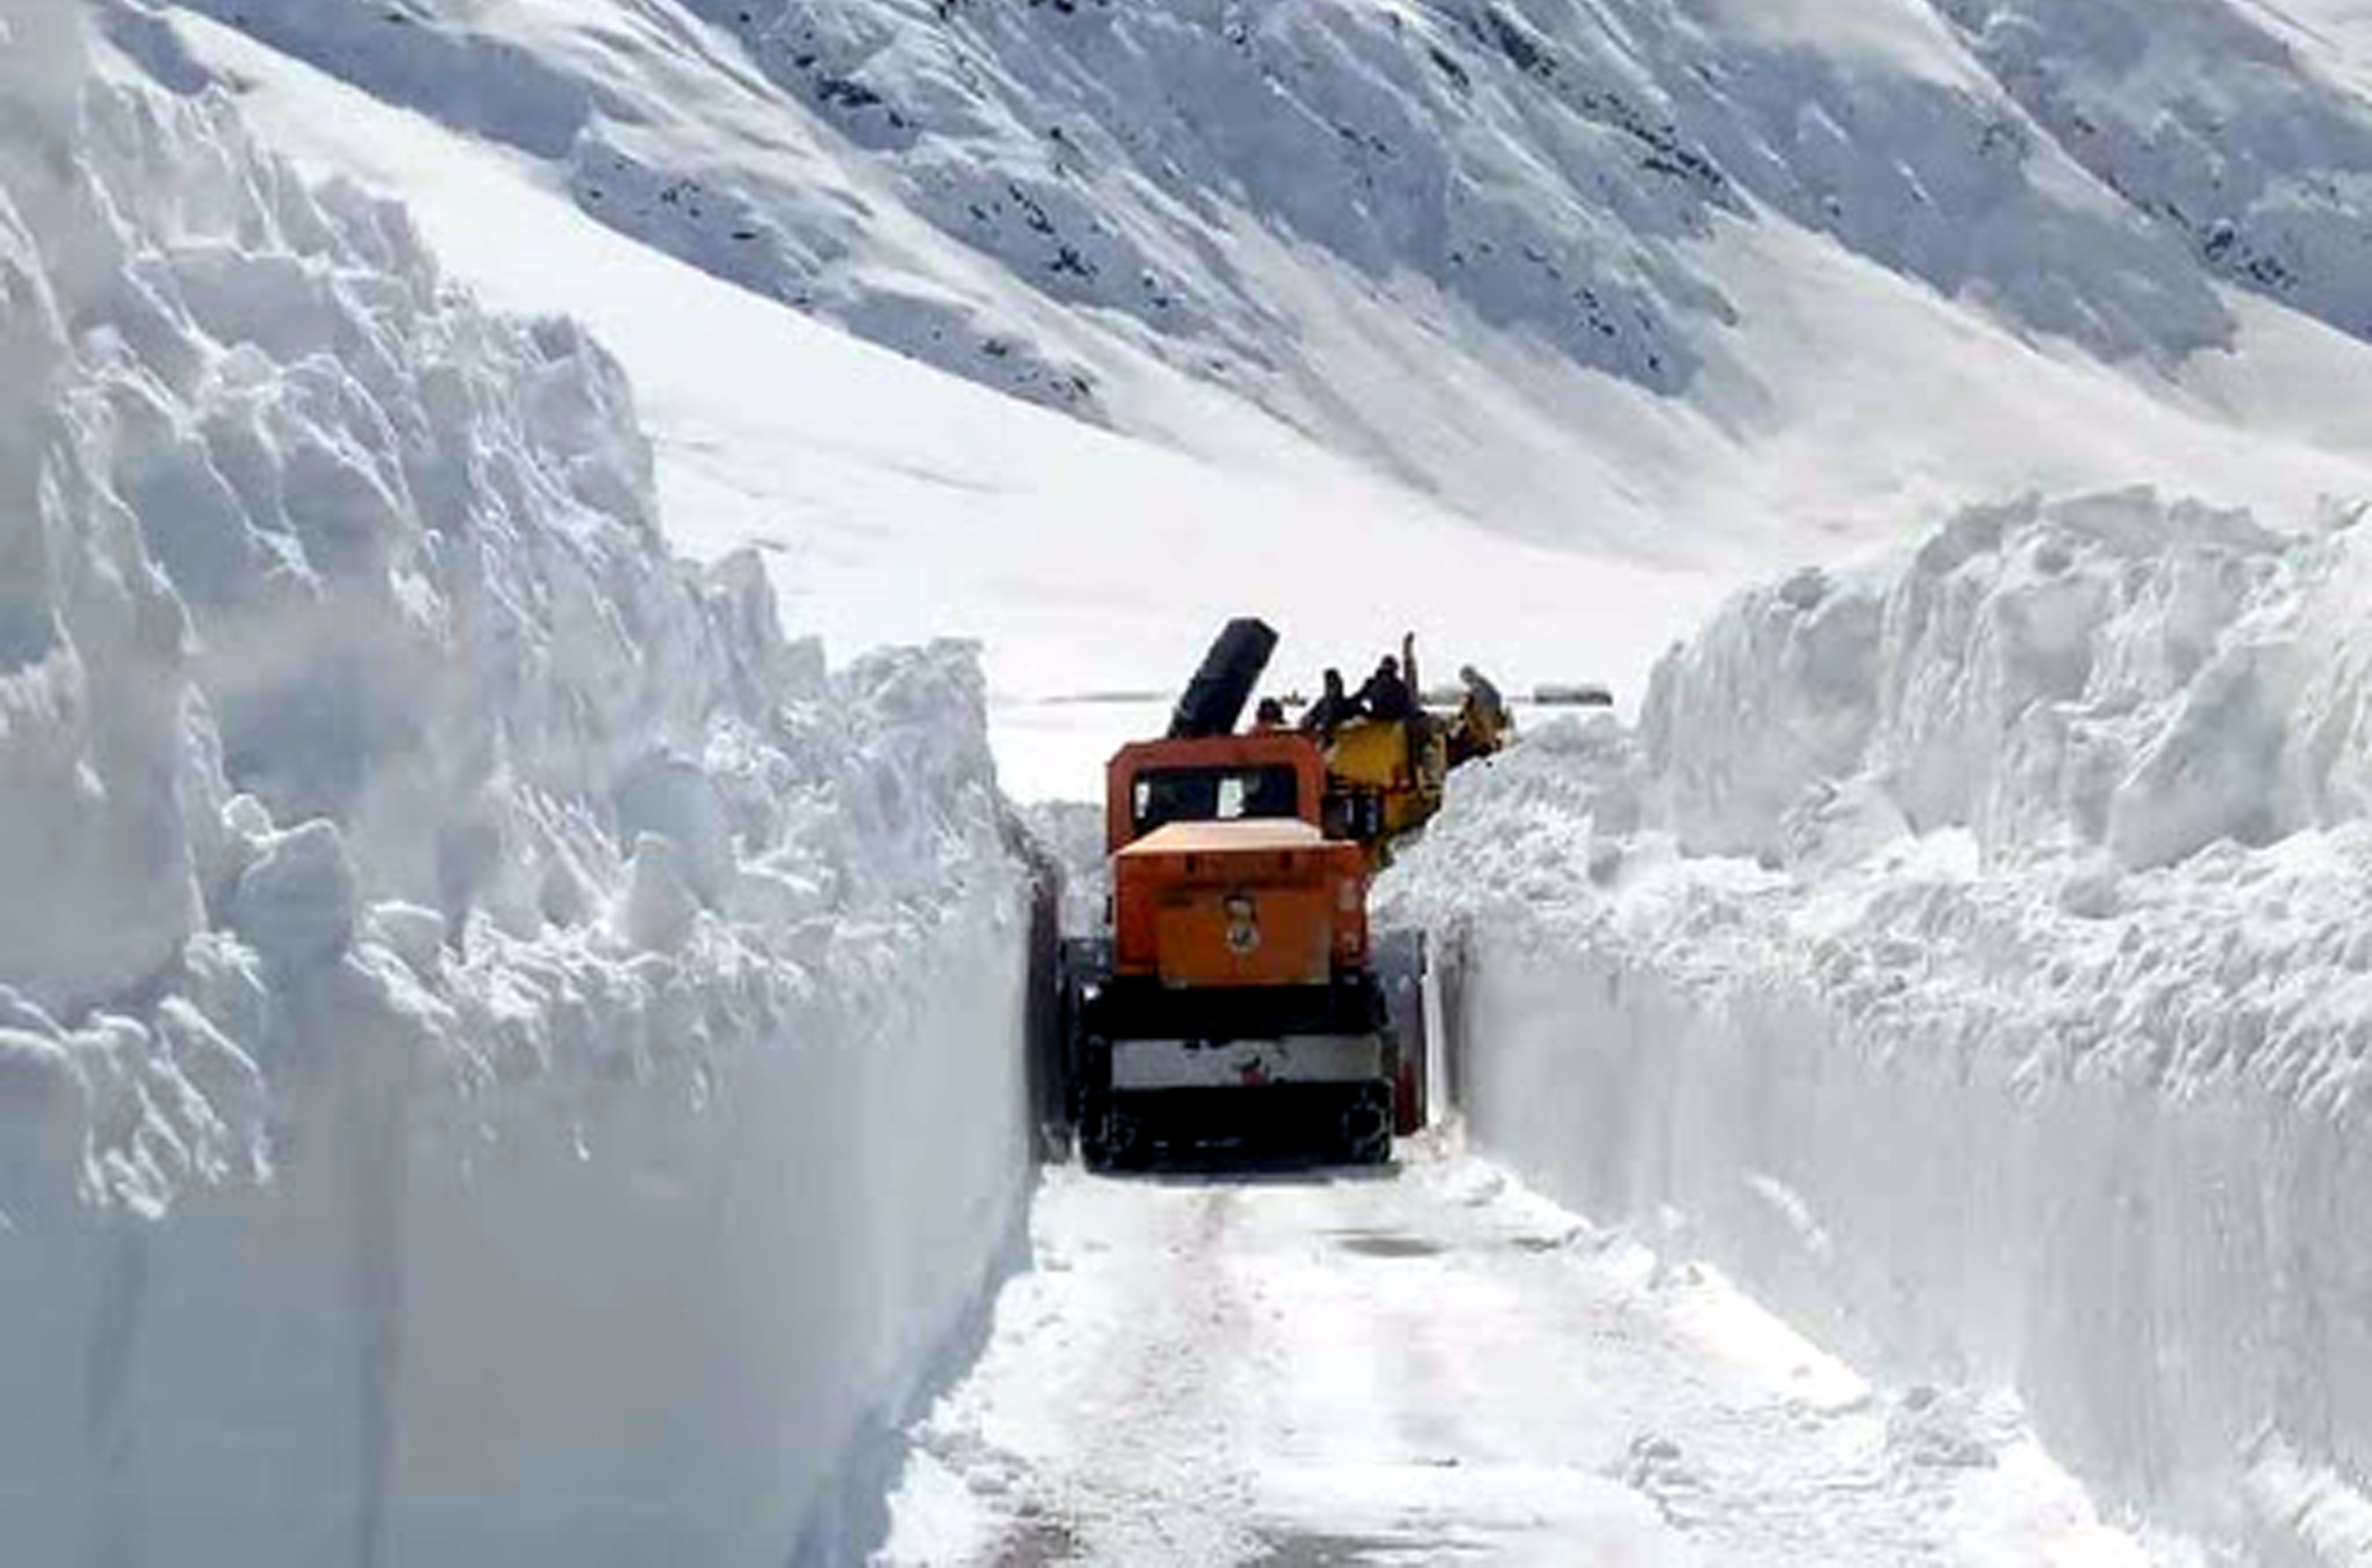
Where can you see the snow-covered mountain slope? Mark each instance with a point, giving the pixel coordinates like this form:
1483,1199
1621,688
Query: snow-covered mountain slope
2243,130
1571,316
1708,285
894,501
1972,948
439,923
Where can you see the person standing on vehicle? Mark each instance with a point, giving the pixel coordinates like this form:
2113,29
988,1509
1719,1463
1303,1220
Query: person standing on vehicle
1386,697
1483,717
1334,709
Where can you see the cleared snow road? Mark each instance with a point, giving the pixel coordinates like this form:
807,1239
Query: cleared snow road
1433,1365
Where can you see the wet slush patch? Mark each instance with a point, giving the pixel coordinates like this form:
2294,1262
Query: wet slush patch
1328,1552
1038,1543
1384,1244
1227,1165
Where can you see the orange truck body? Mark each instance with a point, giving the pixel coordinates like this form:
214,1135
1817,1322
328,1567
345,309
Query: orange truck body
1238,977
1251,900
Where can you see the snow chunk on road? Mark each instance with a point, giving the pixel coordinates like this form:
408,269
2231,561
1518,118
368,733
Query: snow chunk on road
297,903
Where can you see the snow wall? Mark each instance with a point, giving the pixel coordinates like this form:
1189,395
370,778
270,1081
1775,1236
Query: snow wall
504,1057
1976,956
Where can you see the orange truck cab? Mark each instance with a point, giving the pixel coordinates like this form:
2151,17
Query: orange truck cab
1237,989
1220,874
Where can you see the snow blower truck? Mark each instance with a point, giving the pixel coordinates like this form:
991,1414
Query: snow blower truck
1239,995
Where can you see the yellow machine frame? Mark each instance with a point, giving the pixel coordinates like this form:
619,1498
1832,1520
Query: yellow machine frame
1384,779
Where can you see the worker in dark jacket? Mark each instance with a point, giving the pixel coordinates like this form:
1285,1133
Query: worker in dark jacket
1386,697
1334,709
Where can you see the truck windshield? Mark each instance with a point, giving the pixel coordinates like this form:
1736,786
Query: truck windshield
1212,795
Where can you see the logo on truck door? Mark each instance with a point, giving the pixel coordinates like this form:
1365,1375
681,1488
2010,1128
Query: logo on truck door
1243,926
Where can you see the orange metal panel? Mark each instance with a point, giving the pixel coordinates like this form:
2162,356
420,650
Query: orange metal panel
1307,896
1270,936
1257,901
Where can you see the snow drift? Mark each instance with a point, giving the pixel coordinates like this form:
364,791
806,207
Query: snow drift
1970,951
2107,675
504,1057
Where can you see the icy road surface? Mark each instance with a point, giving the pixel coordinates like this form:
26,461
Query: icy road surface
1433,1367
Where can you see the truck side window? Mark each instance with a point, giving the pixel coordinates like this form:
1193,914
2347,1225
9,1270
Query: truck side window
1212,795
1271,792
1176,796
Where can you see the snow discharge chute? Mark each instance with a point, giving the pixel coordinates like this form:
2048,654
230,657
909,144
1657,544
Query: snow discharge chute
1214,701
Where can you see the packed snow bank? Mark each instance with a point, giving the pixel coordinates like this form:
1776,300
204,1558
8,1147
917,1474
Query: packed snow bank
1972,953
504,1057
2111,673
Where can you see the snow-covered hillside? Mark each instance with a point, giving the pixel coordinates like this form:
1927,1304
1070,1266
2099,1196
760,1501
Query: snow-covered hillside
441,926
1416,230
1972,951
894,501
1710,288
2244,131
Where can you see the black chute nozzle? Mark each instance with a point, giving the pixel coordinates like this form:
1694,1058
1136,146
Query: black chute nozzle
1214,701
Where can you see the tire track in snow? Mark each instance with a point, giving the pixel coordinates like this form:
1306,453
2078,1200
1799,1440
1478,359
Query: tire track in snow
1435,1367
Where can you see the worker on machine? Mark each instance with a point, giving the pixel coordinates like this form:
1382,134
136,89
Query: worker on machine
1269,717
1334,708
1481,724
1386,697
